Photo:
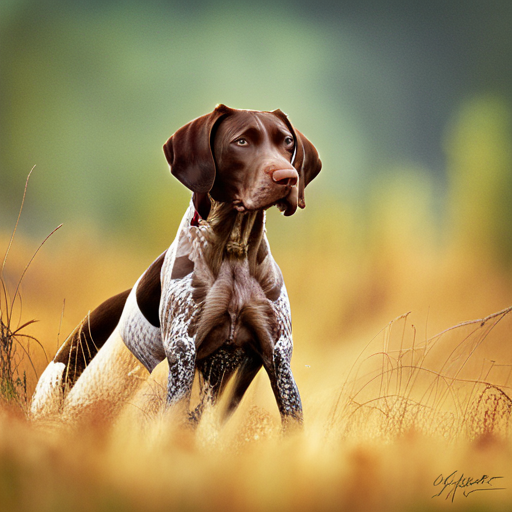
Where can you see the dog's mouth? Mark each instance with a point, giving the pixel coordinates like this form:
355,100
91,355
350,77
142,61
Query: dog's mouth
283,206
238,205
287,205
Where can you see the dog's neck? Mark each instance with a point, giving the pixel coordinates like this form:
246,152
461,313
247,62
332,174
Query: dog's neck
238,243
222,217
237,235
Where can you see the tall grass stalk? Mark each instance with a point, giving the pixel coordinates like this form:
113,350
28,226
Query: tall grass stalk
14,342
415,389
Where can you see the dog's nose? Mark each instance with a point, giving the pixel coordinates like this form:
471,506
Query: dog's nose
285,176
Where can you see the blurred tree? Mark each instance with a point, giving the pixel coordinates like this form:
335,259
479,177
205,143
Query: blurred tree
479,151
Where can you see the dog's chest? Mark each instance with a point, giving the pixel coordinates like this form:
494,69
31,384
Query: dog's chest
232,307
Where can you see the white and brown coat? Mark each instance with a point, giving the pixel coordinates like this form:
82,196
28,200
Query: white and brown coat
215,301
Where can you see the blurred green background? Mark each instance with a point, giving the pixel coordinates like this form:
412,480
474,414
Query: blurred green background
408,102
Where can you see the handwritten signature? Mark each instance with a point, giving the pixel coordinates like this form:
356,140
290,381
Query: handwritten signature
453,482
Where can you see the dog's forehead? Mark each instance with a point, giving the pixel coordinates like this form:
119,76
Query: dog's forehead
241,120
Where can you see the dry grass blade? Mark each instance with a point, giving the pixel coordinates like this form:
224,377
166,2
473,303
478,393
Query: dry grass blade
16,224
425,393
13,383
29,263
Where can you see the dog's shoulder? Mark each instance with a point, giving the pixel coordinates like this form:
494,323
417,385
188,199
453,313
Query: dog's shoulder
172,264
149,291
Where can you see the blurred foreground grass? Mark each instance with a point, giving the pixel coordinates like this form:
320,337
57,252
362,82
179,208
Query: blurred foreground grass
390,405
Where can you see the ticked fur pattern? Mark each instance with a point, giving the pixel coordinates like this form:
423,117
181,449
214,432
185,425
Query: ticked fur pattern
231,313
205,315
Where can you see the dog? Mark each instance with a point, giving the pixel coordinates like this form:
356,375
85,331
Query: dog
215,301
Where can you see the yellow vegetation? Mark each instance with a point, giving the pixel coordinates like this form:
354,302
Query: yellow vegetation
389,405
407,398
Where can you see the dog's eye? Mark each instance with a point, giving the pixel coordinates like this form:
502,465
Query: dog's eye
241,142
288,141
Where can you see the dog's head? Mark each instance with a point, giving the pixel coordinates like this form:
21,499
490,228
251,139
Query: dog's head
251,159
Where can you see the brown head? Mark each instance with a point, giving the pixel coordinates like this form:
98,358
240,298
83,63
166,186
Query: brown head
249,158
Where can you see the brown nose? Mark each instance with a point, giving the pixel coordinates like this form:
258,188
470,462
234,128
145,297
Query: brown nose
285,176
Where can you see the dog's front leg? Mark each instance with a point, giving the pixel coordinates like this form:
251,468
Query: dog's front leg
182,358
283,384
277,364
177,311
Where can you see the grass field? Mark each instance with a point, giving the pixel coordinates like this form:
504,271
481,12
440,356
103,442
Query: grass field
406,396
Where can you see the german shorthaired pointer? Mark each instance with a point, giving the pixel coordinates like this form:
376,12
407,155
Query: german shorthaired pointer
215,301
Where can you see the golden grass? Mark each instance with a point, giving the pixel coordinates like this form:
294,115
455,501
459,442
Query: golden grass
387,410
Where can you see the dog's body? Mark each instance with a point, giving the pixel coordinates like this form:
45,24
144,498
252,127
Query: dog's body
215,301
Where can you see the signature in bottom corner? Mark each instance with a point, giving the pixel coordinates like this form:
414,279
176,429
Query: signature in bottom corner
454,481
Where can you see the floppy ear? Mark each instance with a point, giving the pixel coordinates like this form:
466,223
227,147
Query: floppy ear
305,158
307,162
188,151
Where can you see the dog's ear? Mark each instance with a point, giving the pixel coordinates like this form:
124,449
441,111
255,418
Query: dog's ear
305,157
188,151
307,162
